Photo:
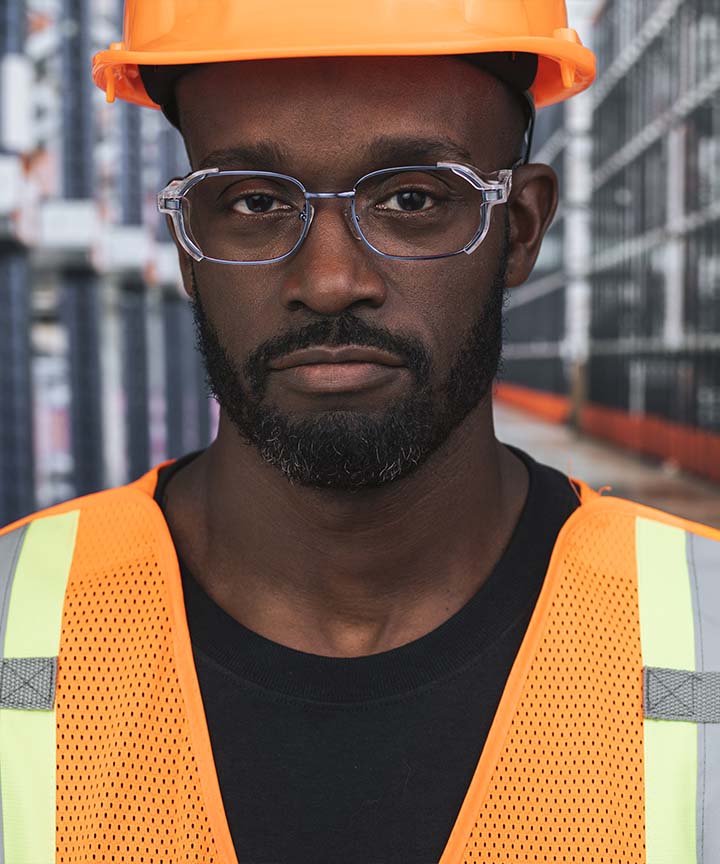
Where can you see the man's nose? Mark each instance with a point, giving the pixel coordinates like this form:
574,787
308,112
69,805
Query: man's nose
333,270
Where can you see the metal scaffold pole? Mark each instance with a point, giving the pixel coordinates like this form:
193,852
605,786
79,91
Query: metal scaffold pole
80,304
133,300
16,440
79,295
16,450
181,432
135,375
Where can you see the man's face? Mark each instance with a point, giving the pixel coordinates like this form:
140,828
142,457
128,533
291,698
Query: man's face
435,325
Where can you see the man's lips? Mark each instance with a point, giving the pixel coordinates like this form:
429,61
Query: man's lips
346,354
349,369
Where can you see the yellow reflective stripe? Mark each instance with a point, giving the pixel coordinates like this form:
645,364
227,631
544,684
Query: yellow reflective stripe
28,738
670,746
38,592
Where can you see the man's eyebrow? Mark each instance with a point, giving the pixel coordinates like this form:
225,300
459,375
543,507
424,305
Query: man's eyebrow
389,151
262,156
383,152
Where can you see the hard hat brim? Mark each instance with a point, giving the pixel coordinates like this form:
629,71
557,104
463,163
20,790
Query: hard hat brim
565,67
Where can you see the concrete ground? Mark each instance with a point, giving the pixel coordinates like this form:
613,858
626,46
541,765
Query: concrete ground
600,464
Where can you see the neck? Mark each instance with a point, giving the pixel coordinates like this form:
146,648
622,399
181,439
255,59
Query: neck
347,574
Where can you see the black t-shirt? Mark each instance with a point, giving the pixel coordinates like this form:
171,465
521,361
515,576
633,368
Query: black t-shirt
365,760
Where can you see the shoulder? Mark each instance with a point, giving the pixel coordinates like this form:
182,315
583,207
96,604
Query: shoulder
599,508
106,501
99,536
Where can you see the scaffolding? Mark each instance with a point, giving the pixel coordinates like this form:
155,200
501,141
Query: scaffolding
98,367
656,203
16,452
645,372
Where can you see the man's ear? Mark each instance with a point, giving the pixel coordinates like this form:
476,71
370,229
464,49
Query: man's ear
532,205
184,260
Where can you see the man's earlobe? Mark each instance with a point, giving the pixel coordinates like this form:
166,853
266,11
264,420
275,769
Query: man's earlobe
532,206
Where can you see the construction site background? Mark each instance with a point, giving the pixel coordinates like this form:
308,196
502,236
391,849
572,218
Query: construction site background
618,331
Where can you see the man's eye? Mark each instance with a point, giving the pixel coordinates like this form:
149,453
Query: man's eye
409,201
258,204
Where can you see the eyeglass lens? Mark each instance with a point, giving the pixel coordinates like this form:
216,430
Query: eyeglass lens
409,213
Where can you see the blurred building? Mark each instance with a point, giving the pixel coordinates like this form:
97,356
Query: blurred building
95,332
619,329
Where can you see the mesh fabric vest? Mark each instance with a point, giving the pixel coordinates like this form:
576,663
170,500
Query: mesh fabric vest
562,776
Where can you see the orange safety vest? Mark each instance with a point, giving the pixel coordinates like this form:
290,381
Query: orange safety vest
605,746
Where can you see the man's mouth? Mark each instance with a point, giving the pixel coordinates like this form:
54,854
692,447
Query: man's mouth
342,355
346,369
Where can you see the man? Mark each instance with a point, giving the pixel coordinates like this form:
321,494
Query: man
357,628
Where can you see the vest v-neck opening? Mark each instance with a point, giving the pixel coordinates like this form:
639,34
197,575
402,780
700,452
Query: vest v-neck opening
509,592
362,685
489,754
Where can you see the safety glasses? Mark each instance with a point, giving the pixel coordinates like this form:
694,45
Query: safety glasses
409,213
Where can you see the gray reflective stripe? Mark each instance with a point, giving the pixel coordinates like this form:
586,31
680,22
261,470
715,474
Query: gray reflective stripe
10,546
28,683
673,694
703,557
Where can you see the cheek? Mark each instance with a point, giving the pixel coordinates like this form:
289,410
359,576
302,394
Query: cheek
447,299
237,303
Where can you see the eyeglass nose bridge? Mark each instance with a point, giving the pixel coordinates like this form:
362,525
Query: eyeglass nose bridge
309,195
325,196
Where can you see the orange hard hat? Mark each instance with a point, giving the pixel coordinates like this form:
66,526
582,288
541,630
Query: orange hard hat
180,32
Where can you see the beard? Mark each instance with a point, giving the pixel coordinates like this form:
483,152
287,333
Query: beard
347,449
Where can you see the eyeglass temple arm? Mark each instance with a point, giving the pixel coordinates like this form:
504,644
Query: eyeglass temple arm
169,202
529,132
494,192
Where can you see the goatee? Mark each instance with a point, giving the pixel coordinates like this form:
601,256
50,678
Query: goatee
351,449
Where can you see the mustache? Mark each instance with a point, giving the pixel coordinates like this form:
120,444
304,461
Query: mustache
342,330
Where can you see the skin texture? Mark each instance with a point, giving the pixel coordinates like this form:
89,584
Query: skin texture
330,571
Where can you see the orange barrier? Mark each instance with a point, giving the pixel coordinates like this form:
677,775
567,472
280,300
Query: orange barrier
549,406
691,449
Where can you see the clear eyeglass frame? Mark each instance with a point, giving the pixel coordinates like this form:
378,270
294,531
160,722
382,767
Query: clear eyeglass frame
495,189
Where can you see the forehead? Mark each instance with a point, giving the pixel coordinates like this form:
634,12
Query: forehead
320,111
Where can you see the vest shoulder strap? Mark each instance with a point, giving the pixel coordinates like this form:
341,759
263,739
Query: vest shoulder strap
678,585
36,562
679,600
